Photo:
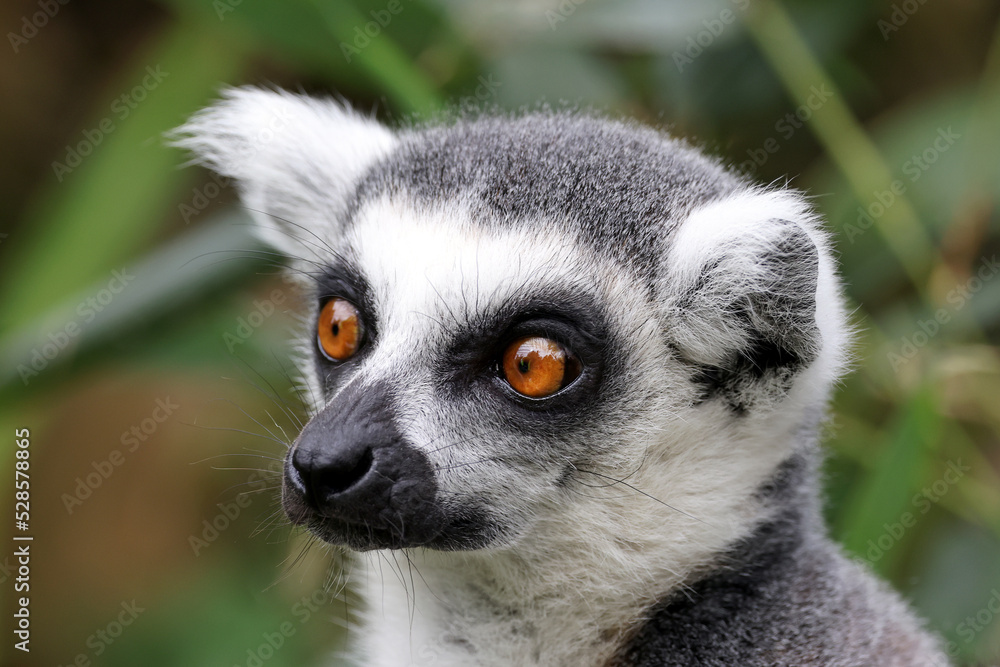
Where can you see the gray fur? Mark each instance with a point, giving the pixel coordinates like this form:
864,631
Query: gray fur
784,596
617,186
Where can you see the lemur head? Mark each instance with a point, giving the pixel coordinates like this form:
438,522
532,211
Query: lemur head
519,322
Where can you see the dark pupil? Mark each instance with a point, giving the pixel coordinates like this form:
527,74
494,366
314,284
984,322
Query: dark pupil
523,366
335,328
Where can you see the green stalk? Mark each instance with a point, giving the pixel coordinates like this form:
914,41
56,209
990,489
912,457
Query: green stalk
843,138
110,205
381,57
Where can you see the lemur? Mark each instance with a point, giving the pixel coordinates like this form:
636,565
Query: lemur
575,371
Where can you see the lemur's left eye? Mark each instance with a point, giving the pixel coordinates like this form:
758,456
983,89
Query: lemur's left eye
538,367
339,329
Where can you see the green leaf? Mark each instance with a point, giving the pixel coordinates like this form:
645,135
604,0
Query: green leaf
113,202
884,507
165,282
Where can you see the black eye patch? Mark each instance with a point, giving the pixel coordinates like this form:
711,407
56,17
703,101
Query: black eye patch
473,363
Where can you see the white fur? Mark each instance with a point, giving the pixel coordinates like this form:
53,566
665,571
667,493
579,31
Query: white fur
257,138
738,223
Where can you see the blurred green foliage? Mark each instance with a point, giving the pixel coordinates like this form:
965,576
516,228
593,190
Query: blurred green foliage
887,113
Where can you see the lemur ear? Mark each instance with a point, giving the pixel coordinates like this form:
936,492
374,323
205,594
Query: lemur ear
743,277
294,158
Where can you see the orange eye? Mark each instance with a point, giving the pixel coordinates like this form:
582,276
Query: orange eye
339,329
538,367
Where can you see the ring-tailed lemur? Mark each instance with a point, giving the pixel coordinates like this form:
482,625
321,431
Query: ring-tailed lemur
576,370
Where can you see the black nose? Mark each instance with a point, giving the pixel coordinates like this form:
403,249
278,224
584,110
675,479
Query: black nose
354,479
333,461
325,472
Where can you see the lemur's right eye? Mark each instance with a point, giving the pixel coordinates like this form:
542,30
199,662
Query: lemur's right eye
339,329
538,367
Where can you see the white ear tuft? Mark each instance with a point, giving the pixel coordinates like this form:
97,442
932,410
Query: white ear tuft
293,157
752,288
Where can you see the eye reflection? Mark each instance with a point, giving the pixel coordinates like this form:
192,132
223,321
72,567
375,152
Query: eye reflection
538,367
339,329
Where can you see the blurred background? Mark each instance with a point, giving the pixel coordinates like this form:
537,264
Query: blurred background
142,335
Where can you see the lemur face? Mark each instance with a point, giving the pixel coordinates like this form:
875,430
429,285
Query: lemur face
484,368
514,321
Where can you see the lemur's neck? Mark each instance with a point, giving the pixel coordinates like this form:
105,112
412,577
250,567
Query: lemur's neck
785,595
571,603
696,624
